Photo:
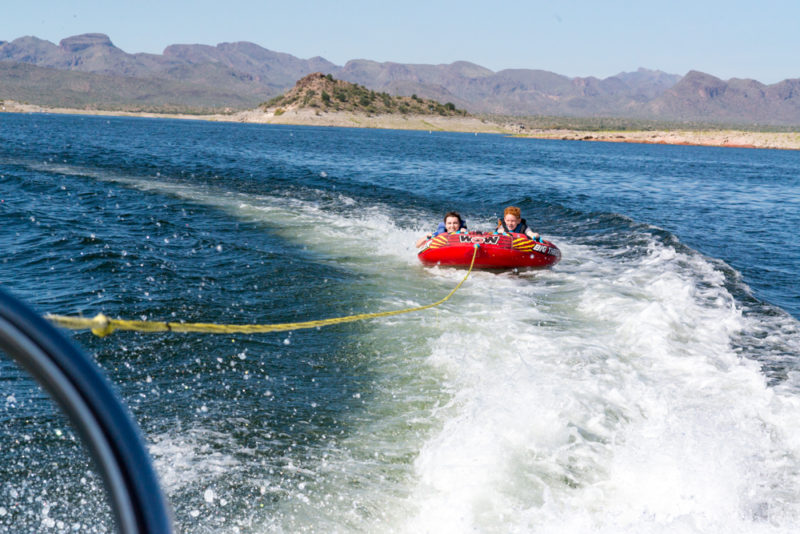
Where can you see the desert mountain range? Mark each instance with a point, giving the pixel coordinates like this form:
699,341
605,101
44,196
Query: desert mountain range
88,71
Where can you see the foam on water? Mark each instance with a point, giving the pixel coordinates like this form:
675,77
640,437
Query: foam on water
617,404
605,395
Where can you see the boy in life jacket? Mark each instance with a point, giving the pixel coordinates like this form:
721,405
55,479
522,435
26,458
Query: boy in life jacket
452,223
512,221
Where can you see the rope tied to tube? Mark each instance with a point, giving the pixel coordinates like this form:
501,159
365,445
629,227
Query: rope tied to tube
101,325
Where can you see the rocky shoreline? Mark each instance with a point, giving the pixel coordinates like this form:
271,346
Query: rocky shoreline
311,117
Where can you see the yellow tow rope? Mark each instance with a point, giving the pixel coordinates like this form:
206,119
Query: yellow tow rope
101,326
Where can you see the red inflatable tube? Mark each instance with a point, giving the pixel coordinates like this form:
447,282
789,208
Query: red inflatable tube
495,251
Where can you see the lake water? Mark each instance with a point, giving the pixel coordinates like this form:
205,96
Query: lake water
647,383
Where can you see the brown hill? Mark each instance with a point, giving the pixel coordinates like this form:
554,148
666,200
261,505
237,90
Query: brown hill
700,96
326,93
272,69
84,90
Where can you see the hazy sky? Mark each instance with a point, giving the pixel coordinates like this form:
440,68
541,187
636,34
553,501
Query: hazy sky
732,38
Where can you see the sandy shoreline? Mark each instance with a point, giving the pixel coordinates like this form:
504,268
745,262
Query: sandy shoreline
722,138
310,117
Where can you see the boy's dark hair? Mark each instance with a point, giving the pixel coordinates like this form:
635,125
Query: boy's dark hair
454,214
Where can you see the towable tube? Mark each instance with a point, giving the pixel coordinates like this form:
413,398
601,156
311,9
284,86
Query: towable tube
495,251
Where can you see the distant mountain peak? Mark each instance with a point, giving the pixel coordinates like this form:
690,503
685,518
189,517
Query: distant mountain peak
78,43
696,74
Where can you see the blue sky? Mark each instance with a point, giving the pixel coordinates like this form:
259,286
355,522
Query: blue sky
742,39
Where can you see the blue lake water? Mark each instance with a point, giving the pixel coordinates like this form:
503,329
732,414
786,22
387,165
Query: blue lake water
647,383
